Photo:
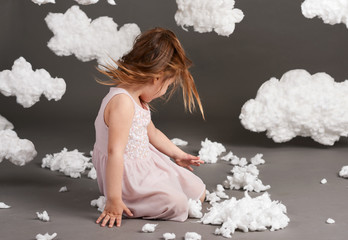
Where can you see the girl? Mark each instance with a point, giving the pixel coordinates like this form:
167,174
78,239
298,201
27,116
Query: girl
130,154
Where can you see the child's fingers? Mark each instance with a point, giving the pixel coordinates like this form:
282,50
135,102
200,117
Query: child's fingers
101,217
119,220
112,221
129,213
189,168
105,221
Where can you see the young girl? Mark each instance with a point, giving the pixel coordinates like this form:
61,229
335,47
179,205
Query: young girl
131,155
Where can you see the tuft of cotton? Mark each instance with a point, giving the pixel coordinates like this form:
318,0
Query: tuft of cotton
4,205
245,178
229,156
92,173
206,16
323,181
330,11
148,227
75,33
46,236
246,214
210,151
344,172
99,203
63,189
330,221
195,208
257,159
88,2
179,142
311,106
168,236
216,195
43,216
192,236
28,85
71,163
16,150
39,2
5,124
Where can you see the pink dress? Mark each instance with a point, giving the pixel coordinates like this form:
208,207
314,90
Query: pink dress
153,186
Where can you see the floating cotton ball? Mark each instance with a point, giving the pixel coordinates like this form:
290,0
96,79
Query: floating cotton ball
71,163
5,124
46,236
344,172
330,221
39,2
323,181
195,208
4,205
43,216
148,227
28,85
192,236
299,104
99,203
92,173
169,236
246,214
206,15
210,151
331,11
257,159
16,150
245,178
179,142
75,33
63,189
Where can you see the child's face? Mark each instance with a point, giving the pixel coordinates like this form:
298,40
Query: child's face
157,89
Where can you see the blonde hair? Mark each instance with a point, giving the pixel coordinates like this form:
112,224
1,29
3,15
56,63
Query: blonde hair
155,51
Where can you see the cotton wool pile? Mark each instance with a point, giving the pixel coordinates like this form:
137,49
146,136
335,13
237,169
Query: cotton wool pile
88,2
299,104
207,15
99,203
148,227
43,216
210,151
330,11
71,163
46,236
246,214
39,2
344,172
28,85
217,195
4,205
75,33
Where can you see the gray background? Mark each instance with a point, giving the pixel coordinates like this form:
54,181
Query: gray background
273,38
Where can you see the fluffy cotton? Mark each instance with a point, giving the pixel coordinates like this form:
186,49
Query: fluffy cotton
16,150
92,173
5,124
216,195
192,236
323,181
71,163
88,2
46,236
210,151
39,2
179,142
169,236
43,216
330,11
148,227
247,214
299,104
206,15
4,205
330,221
245,178
63,189
257,159
344,172
75,33
28,85
228,156
99,203
195,208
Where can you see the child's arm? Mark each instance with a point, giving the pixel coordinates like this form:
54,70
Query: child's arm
164,145
118,116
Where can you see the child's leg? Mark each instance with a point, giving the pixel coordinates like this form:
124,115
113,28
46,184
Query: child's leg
203,196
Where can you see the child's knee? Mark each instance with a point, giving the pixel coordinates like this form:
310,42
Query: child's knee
203,196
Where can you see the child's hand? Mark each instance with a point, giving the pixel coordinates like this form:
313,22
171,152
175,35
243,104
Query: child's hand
113,213
187,159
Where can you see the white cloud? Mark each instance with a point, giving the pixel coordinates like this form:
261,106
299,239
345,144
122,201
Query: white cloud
5,124
207,15
210,151
299,104
75,33
28,85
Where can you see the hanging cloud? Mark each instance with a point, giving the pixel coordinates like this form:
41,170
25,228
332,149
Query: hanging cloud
330,11
75,33
299,104
28,85
207,15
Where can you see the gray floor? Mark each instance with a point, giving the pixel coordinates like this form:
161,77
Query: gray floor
293,170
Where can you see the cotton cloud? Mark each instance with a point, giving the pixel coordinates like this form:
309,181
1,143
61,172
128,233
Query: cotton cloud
330,11
207,15
75,33
88,2
210,151
39,2
299,104
5,124
28,85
